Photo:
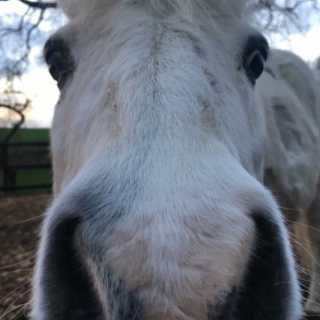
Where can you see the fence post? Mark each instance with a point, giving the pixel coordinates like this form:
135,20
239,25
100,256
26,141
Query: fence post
6,180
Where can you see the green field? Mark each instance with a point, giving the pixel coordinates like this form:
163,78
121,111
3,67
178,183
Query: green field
26,135
26,156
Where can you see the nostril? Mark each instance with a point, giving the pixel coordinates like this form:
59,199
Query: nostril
66,285
269,289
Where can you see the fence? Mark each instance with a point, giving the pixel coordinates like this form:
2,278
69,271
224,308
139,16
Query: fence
25,160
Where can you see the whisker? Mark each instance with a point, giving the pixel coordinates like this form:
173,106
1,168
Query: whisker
14,291
17,309
308,226
18,264
305,250
32,219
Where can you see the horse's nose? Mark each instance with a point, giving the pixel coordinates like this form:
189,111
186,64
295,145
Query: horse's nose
155,259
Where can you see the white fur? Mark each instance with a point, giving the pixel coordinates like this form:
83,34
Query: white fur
160,121
76,8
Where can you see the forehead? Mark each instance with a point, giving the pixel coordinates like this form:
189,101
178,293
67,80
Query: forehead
75,8
224,19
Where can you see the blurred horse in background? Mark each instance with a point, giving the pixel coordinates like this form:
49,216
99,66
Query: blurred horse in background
289,94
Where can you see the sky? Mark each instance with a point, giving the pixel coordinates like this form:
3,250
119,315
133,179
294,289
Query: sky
305,45
42,90
36,82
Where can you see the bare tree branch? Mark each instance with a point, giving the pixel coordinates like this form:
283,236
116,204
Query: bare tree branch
19,123
42,5
25,29
39,4
12,102
284,16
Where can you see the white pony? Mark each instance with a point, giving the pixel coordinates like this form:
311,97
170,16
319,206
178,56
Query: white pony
290,98
158,155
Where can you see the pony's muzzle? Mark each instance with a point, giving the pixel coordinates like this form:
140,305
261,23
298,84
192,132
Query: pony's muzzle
68,291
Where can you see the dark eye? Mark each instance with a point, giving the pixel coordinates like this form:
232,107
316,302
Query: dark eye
59,60
255,56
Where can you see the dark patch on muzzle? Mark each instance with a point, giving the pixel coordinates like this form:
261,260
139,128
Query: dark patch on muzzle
266,292
67,289
66,286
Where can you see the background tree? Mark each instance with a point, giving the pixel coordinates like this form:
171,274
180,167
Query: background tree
23,29
20,32
286,16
